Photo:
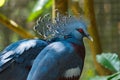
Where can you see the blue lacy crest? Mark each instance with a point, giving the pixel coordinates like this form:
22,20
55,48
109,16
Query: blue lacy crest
59,27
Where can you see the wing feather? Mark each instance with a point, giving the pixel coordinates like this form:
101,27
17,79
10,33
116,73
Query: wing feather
48,63
16,49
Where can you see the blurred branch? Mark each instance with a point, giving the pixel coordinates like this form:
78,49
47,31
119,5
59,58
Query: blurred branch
76,9
61,6
15,27
95,45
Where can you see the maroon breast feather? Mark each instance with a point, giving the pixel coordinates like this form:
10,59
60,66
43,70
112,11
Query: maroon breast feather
80,50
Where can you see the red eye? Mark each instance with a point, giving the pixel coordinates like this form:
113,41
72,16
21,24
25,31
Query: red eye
80,30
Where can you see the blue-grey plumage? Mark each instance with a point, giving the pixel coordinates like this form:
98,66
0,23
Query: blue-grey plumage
53,61
62,60
23,47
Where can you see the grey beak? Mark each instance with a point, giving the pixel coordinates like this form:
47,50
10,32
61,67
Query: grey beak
90,38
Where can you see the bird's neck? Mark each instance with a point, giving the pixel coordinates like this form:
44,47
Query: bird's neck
78,46
72,39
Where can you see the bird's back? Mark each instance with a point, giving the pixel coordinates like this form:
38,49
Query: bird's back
16,59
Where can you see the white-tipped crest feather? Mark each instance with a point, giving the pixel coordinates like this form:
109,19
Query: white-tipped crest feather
61,26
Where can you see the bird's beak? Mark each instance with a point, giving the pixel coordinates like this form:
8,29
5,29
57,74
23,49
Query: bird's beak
90,38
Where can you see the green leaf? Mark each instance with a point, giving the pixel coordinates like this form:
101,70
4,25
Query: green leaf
41,6
110,61
115,76
99,78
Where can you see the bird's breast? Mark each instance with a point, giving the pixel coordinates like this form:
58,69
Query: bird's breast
80,50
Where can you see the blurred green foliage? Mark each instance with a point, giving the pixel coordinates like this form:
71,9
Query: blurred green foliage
115,76
41,7
110,61
2,2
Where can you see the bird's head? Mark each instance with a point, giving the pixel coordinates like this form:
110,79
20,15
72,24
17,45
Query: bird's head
80,31
61,26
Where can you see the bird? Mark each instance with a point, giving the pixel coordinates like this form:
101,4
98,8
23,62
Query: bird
21,54
62,59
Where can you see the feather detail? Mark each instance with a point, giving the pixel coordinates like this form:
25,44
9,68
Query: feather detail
72,72
59,27
71,78
80,50
14,51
